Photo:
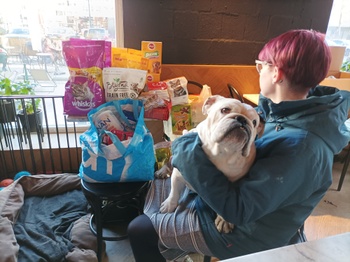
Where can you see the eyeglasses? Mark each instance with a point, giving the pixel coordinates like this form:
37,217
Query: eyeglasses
259,65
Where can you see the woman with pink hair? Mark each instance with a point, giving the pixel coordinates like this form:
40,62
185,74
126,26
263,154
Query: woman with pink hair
304,129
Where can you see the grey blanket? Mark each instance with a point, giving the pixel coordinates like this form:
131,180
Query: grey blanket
44,224
43,218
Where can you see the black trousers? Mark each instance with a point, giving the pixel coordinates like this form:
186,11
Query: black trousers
144,240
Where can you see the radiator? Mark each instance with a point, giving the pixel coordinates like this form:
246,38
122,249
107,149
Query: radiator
48,145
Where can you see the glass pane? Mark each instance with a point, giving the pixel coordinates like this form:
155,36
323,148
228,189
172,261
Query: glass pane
338,32
31,35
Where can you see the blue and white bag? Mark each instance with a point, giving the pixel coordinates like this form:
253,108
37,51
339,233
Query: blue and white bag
121,161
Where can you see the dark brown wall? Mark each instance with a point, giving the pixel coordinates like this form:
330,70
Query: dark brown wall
217,31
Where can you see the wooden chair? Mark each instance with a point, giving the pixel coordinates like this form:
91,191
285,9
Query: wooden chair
43,79
234,93
346,160
196,84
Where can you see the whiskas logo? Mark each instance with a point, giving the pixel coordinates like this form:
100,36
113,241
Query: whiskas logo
83,105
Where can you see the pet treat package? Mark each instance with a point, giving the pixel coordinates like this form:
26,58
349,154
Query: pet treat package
177,88
129,58
163,153
153,52
181,118
156,100
186,116
84,89
121,83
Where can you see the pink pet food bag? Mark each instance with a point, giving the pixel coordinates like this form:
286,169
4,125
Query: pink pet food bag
84,89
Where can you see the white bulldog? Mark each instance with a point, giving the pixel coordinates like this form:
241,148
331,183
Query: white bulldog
227,135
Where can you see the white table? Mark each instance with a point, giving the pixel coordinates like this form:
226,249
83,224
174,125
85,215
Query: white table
335,248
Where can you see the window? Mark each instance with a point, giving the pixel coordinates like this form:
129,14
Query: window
338,31
32,32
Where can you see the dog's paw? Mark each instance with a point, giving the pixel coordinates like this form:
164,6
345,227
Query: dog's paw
167,206
164,172
185,131
223,226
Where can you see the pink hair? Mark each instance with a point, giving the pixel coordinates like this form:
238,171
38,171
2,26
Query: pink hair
302,55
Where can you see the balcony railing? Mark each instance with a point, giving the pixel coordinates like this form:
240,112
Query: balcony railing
46,142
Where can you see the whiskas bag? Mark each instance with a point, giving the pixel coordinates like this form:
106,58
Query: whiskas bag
119,160
84,89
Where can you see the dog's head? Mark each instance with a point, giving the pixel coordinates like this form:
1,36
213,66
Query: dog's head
230,123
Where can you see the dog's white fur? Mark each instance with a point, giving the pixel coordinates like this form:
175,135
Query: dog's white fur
227,136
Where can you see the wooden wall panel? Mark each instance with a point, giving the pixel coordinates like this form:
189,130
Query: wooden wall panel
49,162
244,78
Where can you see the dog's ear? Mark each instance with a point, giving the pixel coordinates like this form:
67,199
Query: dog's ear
209,102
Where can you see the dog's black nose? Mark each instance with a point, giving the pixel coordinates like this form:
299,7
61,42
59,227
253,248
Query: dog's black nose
241,120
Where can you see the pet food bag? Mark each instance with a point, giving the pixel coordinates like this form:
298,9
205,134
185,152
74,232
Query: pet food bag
121,83
84,89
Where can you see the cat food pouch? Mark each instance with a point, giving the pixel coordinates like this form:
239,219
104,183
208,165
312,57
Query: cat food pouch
177,88
84,89
156,100
121,83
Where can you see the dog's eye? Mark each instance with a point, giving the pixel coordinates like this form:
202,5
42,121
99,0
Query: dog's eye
225,110
254,123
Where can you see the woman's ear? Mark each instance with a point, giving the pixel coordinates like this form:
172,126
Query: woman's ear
277,76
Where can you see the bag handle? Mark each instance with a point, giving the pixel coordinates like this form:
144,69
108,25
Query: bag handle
135,109
118,144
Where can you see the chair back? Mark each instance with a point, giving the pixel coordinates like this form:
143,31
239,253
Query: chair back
42,78
234,93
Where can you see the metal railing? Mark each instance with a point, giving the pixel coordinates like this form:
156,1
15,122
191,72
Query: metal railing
46,142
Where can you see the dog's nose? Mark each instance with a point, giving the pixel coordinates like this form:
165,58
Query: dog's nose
241,120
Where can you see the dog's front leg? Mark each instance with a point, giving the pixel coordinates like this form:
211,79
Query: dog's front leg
222,225
177,188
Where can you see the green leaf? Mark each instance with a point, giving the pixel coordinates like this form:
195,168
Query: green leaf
345,67
8,88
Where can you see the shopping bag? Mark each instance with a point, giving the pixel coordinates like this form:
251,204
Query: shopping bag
117,160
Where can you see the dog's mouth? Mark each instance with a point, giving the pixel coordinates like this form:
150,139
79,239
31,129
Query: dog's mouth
237,132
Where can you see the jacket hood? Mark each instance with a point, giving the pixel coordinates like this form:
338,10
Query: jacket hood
323,113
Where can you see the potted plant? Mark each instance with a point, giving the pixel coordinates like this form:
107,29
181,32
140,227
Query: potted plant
25,107
8,109
27,115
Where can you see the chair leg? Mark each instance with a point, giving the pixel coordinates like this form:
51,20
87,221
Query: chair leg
344,170
98,223
97,217
302,233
